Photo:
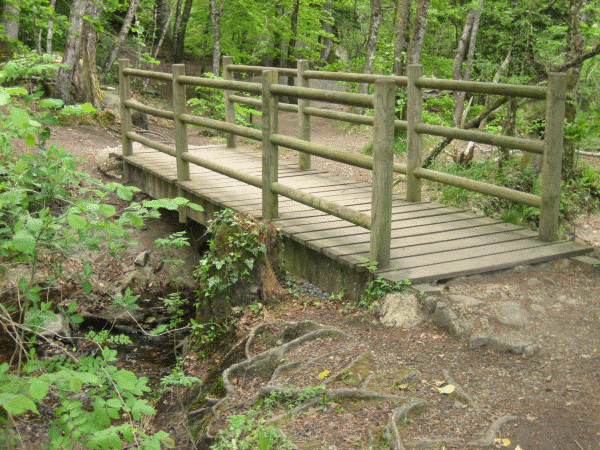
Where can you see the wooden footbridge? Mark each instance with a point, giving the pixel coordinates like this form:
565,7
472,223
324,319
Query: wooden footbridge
333,225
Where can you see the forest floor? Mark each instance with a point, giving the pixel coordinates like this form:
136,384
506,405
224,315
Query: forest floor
550,400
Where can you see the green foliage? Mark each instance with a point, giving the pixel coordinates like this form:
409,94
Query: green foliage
48,212
579,193
246,432
30,68
233,251
210,102
377,288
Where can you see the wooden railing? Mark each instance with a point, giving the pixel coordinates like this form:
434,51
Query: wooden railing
383,122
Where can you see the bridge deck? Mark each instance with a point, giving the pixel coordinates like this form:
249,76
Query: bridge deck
429,241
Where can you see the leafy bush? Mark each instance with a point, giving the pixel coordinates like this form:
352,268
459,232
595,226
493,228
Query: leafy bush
210,102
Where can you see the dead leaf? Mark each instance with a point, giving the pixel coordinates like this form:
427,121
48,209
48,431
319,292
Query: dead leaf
448,389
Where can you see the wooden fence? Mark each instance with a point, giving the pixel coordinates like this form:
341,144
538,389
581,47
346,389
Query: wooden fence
384,124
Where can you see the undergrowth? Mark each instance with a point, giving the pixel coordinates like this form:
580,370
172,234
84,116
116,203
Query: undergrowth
579,194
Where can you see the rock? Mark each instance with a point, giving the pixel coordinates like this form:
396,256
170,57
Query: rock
503,343
56,328
400,310
141,259
427,289
140,119
446,319
465,300
429,304
512,314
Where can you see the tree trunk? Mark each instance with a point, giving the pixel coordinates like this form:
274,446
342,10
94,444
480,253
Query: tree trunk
215,17
179,48
64,77
112,57
86,85
50,33
292,55
177,8
327,28
401,40
576,46
471,28
10,20
415,46
163,12
371,42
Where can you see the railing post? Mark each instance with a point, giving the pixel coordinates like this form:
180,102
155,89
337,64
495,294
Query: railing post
414,115
303,119
553,151
383,172
229,105
125,94
181,136
270,153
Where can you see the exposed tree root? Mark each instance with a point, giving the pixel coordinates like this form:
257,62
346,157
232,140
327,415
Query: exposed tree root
428,443
346,369
461,392
391,432
267,362
488,438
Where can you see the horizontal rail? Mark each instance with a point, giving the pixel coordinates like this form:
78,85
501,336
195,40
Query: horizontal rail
327,206
345,98
148,74
227,127
363,161
254,102
245,86
150,143
527,145
353,159
338,115
163,114
479,186
352,77
285,71
222,169
479,87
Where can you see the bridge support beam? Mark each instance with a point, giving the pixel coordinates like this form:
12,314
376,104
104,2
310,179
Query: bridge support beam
383,172
270,153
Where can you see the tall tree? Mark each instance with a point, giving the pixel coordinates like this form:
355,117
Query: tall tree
401,39
64,79
371,41
415,46
87,86
216,11
112,57
469,31
576,47
50,33
328,30
180,31
10,19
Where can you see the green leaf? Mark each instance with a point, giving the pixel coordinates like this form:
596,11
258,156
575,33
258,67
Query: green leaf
135,220
124,193
125,379
114,403
34,225
141,407
19,117
75,385
21,166
54,434
19,405
51,103
17,91
87,286
23,284
87,107
77,222
107,210
30,140
24,242
38,389
4,97
195,206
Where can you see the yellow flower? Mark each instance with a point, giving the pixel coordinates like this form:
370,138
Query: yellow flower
324,374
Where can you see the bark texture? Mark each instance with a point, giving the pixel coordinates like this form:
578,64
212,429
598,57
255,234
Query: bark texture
415,46
401,39
371,42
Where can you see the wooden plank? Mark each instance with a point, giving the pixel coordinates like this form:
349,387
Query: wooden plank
487,263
